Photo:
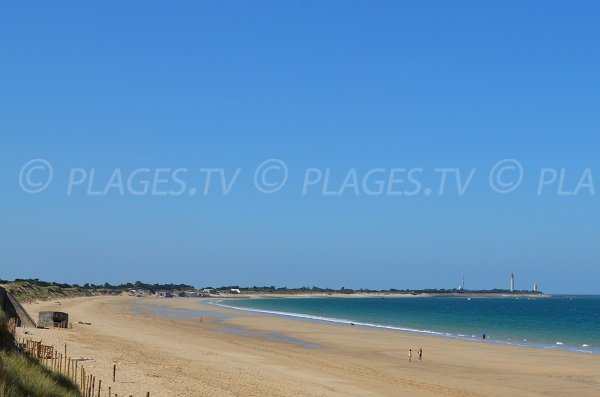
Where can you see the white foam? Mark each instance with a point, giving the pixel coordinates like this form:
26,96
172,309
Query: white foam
330,319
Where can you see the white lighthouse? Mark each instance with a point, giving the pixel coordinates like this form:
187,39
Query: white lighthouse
512,282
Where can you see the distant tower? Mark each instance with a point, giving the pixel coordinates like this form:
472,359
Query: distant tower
462,285
512,282
535,288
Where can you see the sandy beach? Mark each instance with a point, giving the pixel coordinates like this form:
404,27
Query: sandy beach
222,352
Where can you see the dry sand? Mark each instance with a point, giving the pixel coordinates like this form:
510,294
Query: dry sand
250,354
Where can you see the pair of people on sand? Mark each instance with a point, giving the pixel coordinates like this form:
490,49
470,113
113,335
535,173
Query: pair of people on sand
410,354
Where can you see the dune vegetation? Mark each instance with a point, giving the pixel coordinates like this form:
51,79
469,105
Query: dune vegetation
24,376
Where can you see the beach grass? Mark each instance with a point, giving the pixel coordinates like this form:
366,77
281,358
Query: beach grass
26,292
22,375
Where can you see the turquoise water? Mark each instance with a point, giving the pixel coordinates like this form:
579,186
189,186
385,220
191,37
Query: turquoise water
569,323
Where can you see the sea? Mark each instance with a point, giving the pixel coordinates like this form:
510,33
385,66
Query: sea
559,322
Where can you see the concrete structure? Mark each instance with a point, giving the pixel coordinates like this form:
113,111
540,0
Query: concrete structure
53,319
13,309
512,282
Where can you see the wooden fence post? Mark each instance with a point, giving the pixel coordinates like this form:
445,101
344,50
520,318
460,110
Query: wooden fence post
67,366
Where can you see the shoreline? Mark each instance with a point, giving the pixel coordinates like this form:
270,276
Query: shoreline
208,356
440,334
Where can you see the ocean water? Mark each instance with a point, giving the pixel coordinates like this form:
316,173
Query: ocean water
565,323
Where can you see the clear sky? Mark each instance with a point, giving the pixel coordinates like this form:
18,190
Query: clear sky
332,89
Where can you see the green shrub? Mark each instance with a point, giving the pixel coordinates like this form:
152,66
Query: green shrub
6,338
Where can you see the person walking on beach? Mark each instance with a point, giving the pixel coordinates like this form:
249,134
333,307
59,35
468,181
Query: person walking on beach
409,355
420,354
484,337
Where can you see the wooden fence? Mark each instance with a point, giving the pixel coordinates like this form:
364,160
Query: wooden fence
71,368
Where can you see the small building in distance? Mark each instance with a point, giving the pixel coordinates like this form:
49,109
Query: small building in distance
53,319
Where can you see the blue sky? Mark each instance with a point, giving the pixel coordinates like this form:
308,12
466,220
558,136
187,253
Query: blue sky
322,85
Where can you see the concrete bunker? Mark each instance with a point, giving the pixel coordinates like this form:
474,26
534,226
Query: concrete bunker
53,319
